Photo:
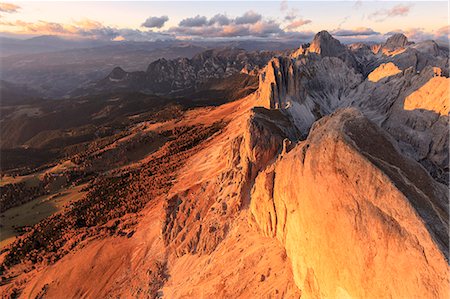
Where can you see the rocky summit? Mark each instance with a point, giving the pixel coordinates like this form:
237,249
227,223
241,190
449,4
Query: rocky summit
324,176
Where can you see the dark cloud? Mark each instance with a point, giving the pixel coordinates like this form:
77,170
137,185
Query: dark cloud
196,21
398,10
249,17
219,19
259,29
354,32
9,7
250,24
155,22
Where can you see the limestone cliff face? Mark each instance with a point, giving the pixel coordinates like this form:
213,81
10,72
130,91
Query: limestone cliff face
396,42
327,46
279,83
309,86
354,215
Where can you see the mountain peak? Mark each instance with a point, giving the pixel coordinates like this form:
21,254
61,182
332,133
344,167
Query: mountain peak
398,40
117,73
326,45
323,34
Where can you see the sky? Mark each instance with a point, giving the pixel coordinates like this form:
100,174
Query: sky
150,20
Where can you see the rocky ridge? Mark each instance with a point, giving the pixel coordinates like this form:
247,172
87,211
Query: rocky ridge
322,184
165,76
309,87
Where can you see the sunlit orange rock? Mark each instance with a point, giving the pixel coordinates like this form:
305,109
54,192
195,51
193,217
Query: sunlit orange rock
383,71
357,219
433,96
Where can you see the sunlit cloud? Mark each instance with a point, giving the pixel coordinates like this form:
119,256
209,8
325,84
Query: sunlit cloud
8,7
297,23
250,24
82,29
443,33
247,25
396,11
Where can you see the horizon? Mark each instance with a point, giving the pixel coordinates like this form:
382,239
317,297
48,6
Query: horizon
225,21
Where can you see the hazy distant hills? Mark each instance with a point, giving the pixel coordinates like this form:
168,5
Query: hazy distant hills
54,66
45,43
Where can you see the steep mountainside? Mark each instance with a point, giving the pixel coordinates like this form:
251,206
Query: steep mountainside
321,184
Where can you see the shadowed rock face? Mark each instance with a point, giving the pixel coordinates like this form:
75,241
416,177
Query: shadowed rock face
398,40
326,45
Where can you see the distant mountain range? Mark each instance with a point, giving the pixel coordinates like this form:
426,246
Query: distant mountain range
54,66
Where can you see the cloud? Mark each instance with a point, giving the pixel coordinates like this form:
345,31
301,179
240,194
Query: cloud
265,28
249,17
250,24
419,34
443,33
399,10
396,11
83,29
196,21
219,19
119,38
155,22
362,31
9,7
298,35
297,23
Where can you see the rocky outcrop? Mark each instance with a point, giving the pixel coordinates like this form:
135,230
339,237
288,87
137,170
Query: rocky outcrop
354,215
433,96
401,52
325,45
279,83
396,42
199,213
383,71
